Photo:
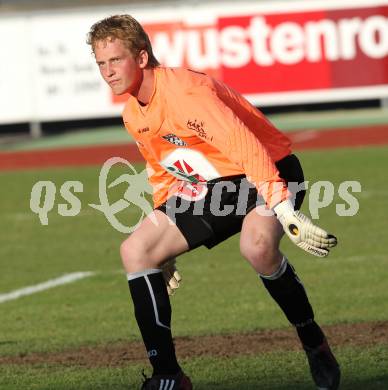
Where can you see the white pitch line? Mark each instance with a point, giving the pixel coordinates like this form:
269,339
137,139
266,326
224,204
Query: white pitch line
65,279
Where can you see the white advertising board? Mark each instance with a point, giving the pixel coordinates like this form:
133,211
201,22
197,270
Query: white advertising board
15,72
272,52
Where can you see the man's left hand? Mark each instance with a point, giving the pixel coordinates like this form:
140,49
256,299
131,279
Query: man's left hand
302,232
171,276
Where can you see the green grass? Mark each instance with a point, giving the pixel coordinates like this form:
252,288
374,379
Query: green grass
219,293
271,371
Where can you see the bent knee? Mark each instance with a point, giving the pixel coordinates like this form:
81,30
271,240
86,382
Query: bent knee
135,256
261,252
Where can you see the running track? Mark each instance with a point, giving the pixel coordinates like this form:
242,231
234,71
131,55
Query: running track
97,155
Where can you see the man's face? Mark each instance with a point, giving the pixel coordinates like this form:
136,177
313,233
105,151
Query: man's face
118,67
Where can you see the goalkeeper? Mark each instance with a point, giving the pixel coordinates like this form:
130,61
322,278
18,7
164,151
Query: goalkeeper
217,167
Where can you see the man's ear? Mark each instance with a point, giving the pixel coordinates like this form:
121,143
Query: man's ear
142,59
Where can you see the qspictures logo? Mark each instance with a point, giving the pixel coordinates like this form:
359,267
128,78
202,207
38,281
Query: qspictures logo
43,198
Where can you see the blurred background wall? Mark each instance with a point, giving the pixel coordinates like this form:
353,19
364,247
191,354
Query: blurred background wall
22,5
281,55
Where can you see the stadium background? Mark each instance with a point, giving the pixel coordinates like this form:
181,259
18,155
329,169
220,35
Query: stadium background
59,123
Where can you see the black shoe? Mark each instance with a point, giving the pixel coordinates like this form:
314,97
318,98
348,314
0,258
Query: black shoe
168,382
324,367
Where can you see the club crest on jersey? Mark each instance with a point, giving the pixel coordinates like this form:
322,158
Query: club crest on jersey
198,127
173,139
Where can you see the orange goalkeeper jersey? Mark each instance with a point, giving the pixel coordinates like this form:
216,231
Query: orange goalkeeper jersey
196,129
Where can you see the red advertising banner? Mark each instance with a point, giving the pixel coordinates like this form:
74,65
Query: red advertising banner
309,50
271,53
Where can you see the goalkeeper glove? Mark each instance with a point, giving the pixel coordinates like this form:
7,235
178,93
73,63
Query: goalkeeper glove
171,276
302,232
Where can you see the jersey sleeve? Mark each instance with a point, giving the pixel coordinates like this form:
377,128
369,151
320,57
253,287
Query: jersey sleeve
207,116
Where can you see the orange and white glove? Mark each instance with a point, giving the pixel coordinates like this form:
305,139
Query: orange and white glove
171,276
302,232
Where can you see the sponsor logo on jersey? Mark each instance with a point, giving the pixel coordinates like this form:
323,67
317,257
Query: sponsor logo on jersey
173,139
196,162
143,130
192,187
183,169
192,169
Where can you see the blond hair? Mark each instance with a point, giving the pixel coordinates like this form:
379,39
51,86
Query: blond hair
127,29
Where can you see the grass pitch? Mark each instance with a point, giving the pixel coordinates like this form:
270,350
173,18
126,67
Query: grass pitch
219,293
